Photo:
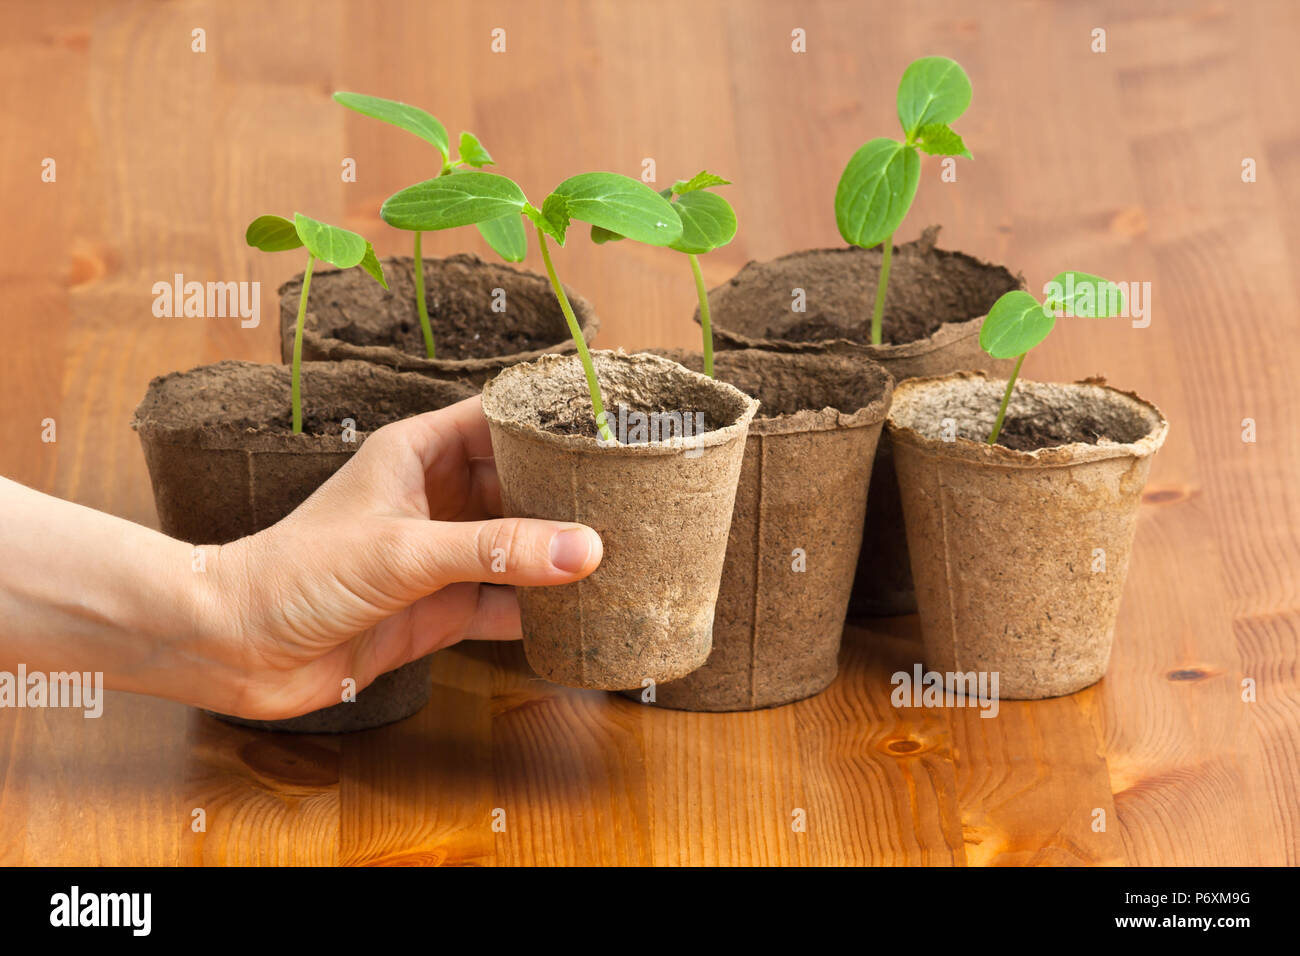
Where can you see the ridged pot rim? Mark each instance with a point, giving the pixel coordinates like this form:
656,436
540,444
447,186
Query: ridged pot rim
588,321
977,453
826,418
228,436
496,406
946,335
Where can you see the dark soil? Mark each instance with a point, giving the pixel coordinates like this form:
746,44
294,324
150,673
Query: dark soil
1032,434
456,334
788,383
460,292
251,397
581,421
330,422
927,288
895,329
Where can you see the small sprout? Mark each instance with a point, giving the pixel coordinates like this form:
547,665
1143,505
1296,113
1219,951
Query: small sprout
708,222
613,202
339,247
506,236
879,183
1017,322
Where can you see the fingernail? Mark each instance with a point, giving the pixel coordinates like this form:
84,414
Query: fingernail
571,549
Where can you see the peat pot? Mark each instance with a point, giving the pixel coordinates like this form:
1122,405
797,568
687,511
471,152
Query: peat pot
662,507
485,316
936,303
224,464
1019,550
795,530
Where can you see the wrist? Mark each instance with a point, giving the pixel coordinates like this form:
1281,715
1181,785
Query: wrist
210,653
188,630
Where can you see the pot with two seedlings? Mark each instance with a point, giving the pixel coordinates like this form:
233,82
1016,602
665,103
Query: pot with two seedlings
457,317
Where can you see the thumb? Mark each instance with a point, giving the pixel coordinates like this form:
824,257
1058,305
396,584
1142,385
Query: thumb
520,551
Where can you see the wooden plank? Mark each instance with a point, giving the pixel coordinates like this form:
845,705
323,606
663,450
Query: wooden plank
1127,163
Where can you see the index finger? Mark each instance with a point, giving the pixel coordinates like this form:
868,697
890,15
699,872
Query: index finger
460,428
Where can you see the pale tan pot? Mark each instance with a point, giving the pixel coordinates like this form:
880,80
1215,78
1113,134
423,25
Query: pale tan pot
795,530
1019,558
662,508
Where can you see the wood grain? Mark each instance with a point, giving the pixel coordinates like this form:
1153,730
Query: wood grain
1126,163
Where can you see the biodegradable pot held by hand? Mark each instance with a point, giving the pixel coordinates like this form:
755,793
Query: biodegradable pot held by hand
485,316
662,509
795,529
936,303
224,464
1020,549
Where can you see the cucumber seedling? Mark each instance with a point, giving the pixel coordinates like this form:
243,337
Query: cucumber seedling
617,203
708,222
339,247
1017,322
506,236
879,183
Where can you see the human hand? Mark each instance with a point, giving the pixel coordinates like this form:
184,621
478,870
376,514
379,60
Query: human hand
392,558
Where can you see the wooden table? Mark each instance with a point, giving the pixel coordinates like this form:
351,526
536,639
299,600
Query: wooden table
1127,163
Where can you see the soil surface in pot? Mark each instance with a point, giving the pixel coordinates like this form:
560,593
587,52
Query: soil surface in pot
459,291
789,385
247,396
1021,434
1039,415
578,419
927,288
676,404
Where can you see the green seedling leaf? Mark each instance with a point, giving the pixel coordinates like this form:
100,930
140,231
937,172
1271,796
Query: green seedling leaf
620,205
934,89
601,236
450,201
1084,295
370,262
708,221
938,140
472,152
879,183
1016,323
506,236
272,234
410,118
701,180
340,247
553,218
875,191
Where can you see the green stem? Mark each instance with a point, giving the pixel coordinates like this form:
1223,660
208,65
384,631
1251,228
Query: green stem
707,329
593,384
295,375
420,304
1006,398
882,286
